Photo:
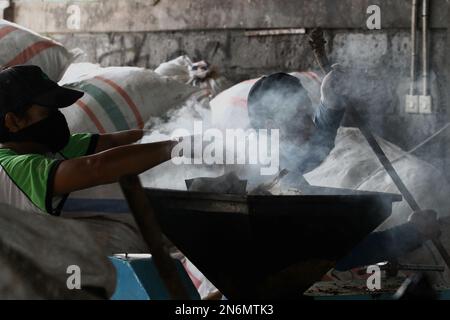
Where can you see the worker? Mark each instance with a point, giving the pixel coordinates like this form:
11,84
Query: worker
307,133
41,162
280,102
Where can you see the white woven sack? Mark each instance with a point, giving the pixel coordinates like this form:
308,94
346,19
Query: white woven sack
19,45
122,98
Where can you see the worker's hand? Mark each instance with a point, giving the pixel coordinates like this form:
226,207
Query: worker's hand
426,223
335,89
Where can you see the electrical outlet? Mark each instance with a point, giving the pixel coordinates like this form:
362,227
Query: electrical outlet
425,104
412,104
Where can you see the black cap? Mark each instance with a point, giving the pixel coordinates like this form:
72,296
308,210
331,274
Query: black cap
276,94
24,85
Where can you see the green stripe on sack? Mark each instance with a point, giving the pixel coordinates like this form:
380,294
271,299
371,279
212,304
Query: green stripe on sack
107,103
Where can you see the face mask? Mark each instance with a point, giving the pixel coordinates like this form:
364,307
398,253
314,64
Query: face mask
52,132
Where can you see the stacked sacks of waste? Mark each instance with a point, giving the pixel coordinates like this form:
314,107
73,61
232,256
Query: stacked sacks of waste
121,98
116,98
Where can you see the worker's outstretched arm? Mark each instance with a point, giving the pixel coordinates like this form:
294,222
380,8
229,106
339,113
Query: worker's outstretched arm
109,166
117,139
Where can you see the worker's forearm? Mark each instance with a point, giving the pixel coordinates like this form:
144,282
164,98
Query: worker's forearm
130,159
109,166
127,137
117,139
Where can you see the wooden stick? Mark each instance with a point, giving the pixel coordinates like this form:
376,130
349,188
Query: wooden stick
145,217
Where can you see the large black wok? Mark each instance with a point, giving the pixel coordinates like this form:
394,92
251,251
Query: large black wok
268,246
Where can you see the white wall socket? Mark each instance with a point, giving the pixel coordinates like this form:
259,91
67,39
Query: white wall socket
412,104
425,104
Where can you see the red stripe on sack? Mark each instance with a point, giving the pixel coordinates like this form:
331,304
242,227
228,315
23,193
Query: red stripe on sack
127,98
313,76
91,115
6,30
30,52
195,281
239,102
251,81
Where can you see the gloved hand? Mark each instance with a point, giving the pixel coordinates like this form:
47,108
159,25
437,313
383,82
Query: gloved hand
426,223
335,89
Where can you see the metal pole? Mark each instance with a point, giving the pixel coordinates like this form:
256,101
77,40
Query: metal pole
413,46
383,158
425,46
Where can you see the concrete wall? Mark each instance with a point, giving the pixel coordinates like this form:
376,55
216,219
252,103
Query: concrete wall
164,15
146,33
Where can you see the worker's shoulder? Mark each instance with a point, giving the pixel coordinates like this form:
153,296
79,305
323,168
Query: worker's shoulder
6,152
8,155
